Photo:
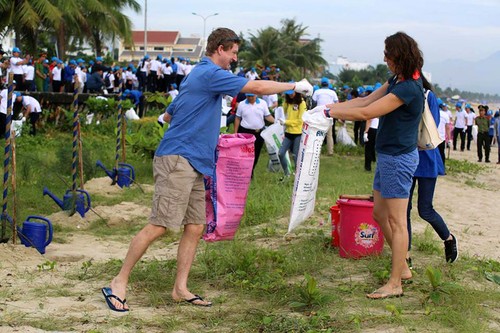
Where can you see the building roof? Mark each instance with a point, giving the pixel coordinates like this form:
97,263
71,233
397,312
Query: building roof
154,37
189,40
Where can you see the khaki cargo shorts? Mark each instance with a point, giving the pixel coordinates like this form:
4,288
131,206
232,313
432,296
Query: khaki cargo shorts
179,196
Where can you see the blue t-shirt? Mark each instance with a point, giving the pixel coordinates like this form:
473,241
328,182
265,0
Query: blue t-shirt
430,163
398,130
196,113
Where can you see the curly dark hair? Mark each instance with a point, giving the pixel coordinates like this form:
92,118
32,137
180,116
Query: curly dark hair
403,51
221,36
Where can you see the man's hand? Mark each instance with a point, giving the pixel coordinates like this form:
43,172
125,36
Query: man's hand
365,137
303,87
281,122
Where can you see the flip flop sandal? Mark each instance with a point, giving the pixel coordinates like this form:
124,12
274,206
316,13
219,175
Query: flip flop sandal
108,294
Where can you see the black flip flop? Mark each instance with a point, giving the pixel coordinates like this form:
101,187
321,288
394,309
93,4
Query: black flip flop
198,298
107,292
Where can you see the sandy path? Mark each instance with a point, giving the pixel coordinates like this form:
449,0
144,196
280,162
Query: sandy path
470,212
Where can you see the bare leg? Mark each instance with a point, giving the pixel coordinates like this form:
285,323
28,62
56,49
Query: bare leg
393,224
380,214
138,246
185,256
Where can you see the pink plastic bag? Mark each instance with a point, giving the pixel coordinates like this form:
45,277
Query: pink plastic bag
226,194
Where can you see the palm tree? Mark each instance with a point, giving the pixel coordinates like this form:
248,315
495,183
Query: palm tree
286,47
26,17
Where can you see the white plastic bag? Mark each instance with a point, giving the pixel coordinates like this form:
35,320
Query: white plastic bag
130,114
306,177
344,138
273,137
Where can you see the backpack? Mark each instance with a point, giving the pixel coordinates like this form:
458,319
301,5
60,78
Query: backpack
107,81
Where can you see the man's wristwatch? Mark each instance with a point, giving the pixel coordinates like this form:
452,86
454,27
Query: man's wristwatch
327,112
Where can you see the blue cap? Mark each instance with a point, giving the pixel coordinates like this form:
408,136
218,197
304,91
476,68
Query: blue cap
174,85
46,61
467,106
17,93
458,105
116,68
126,92
315,87
346,87
361,90
369,88
16,49
72,62
53,59
91,62
249,94
79,60
146,56
324,80
59,61
159,57
377,85
98,59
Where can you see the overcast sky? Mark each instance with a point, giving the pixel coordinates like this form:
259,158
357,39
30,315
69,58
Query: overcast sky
356,29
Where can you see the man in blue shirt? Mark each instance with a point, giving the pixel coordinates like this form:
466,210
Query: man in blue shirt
186,153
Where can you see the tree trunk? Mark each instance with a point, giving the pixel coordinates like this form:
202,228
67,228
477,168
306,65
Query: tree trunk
61,41
97,42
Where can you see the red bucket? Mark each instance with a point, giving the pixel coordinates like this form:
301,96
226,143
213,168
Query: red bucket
335,217
359,234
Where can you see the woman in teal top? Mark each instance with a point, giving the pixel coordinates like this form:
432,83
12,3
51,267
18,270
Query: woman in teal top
398,104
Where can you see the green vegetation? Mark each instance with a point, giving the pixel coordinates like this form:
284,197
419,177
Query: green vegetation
261,281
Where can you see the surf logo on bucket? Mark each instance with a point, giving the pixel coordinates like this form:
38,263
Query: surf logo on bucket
366,235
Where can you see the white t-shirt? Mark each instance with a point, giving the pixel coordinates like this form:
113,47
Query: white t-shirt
271,99
15,68
444,118
325,96
31,101
460,120
251,76
111,79
3,102
188,69
470,118
29,72
155,65
173,93
252,115
82,76
374,123
167,70
56,74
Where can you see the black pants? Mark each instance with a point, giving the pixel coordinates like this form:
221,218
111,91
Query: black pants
19,78
483,140
458,131
56,86
34,116
469,136
441,148
359,129
370,148
259,142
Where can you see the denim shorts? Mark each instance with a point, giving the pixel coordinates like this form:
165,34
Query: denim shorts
394,174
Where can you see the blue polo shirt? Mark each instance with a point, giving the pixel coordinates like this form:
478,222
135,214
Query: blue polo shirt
430,163
196,113
398,130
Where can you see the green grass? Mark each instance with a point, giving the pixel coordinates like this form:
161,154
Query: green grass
262,281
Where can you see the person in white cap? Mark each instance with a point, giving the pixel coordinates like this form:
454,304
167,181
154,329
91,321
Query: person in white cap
185,154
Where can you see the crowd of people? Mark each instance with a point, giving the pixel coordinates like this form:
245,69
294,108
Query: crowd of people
387,117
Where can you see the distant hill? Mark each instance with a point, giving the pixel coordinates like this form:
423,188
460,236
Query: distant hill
482,76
